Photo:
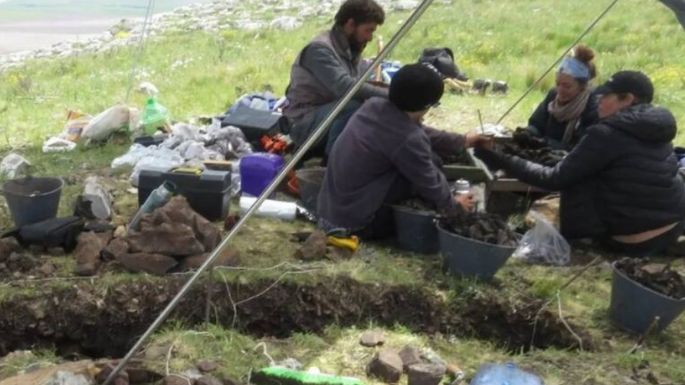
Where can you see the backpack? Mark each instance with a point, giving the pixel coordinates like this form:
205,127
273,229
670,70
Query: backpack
443,60
53,232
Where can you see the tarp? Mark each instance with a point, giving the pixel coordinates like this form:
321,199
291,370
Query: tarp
678,7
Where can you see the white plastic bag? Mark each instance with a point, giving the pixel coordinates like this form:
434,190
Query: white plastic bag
106,123
543,244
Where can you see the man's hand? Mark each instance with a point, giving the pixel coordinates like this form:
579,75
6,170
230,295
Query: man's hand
466,201
478,140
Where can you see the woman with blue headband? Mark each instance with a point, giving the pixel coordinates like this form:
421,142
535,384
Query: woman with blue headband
571,106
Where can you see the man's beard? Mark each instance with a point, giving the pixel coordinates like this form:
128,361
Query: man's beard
355,46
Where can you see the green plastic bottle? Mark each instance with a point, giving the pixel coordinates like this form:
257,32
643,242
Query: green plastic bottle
155,115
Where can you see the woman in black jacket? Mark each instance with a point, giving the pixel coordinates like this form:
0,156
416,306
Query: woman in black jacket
570,107
620,184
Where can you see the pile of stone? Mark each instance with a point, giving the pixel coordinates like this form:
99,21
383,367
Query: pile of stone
422,367
172,238
212,17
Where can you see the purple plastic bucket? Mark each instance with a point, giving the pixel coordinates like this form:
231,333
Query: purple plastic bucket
257,171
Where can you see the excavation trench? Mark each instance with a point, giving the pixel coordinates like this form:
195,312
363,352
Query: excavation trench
88,319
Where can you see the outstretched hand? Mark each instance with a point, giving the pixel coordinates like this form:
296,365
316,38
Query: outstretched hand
480,141
467,201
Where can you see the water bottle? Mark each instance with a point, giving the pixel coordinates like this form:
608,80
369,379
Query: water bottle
461,186
157,198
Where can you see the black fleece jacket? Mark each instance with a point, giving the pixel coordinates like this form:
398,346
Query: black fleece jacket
622,177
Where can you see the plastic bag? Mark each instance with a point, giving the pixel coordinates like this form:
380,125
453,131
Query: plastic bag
543,244
106,123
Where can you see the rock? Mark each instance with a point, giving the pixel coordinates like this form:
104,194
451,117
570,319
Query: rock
87,253
116,248
410,355
208,380
7,247
175,239
208,234
157,264
175,379
290,363
313,248
206,366
372,338
654,268
386,366
48,269
228,257
142,376
67,378
425,374
13,166
121,378
120,231
100,199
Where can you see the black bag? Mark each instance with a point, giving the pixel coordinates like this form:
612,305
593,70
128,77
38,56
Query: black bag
256,123
443,60
54,232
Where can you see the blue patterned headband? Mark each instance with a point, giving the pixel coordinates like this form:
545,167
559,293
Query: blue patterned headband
575,68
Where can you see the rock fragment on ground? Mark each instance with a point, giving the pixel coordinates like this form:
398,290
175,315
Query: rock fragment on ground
175,379
425,374
372,338
87,253
175,239
207,366
208,380
228,257
68,378
410,355
314,248
386,366
157,264
116,248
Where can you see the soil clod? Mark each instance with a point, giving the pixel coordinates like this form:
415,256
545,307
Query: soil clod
386,366
658,277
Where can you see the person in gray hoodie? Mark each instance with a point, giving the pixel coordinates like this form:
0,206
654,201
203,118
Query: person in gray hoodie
386,155
326,68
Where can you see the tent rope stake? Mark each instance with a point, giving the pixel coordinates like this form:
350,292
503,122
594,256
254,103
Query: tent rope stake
299,154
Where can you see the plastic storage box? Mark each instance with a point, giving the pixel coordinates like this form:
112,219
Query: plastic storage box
208,192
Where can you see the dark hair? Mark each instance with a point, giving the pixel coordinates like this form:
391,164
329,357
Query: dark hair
361,11
586,55
416,87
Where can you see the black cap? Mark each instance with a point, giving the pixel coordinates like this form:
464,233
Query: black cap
629,82
416,87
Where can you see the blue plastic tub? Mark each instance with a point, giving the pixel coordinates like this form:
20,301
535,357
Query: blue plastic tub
415,230
471,258
634,306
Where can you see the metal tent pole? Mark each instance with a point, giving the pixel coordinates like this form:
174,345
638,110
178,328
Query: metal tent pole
314,137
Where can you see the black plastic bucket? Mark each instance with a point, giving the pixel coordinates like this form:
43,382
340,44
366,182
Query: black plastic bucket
471,258
415,230
634,306
31,199
309,181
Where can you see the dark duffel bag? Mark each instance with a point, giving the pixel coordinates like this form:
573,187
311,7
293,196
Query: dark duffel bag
55,232
256,123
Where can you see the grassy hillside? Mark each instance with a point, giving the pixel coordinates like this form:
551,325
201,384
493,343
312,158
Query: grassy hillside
202,73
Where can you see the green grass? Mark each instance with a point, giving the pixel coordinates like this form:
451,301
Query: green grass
512,41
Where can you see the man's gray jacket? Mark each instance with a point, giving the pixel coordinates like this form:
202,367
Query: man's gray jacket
323,71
